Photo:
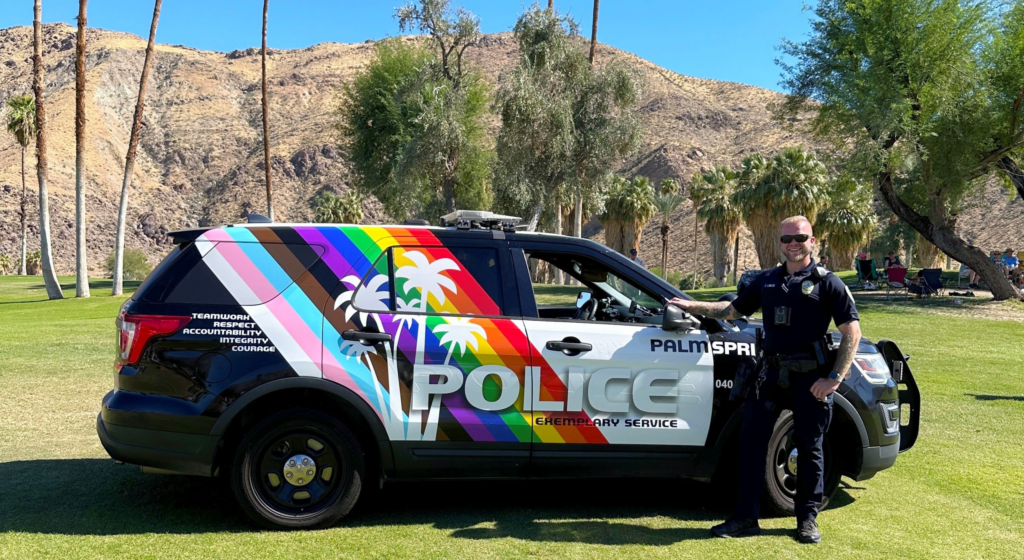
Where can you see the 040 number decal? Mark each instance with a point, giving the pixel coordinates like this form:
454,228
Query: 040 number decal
723,384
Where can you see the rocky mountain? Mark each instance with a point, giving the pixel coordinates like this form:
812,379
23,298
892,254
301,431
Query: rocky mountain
200,157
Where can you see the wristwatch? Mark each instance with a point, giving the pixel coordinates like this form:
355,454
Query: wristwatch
835,376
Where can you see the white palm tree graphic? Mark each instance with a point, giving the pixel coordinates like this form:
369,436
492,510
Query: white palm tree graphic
455,332
427,277
459,332
359,351
362,299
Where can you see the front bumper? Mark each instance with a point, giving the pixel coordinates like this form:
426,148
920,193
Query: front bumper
875,459
186,453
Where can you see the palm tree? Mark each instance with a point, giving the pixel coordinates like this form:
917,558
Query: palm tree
21,122
666,202
266,116
593,31
53,290
847,221
628,208
703,185
791,183
81,260
722,222
344,209
129,160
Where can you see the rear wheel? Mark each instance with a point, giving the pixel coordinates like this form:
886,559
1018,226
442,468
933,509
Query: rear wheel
298,469
781,471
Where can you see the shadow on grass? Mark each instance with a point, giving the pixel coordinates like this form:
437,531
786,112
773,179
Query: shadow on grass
996,397
98,287
97,497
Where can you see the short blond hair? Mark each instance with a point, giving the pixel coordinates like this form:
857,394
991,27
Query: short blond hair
796,220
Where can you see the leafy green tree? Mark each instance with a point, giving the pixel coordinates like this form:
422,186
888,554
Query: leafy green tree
344,209
847,221
722,221
565,124
21,122
924,99
666,202
447,154
377,111
628,207
792,183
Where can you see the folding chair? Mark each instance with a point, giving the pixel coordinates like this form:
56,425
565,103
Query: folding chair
897,283
965,272
866,273
931,281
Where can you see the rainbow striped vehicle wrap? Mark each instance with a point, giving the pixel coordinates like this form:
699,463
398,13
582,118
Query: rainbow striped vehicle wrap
441,316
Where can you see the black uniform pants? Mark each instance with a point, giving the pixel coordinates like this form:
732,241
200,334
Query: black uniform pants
811,417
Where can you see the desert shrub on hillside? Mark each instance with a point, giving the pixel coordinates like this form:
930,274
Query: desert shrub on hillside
136,264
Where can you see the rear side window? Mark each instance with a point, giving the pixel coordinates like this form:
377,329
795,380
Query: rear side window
231,273
435,280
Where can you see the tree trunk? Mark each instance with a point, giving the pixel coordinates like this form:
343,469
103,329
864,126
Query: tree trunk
24,215
764,230
559,279
664,250
926,254
129,160
696,221
1014,172
736,259
721,243
53,290
81,258
946,239
551,4
613,237
842,256
593,32
535,217
266,116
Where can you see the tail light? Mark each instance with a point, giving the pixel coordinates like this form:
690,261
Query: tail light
134,331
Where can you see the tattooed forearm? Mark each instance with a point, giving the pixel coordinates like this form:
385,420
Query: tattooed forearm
714,310
847,347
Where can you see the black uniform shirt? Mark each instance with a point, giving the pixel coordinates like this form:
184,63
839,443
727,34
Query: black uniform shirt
814,302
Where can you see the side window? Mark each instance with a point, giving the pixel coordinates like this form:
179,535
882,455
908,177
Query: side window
435,280
615,292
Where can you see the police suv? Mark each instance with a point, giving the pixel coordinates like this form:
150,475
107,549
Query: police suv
308,363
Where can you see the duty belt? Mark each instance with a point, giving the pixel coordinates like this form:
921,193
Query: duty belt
797,363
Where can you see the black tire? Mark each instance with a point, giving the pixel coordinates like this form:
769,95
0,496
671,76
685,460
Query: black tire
260,459
780,483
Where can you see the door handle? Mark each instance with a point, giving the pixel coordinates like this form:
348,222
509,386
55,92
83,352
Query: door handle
570,346
367,338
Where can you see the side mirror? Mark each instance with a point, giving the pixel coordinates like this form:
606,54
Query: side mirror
581,298
675,319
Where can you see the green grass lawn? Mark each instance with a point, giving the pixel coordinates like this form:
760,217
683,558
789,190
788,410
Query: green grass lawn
958,493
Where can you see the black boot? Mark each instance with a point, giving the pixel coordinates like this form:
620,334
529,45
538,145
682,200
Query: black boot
807,532
734,527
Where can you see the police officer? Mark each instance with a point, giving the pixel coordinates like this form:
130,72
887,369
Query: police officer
798,300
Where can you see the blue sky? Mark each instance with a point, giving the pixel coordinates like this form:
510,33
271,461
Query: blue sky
732,40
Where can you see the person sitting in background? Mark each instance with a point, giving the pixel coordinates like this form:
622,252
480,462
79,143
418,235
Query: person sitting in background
636,258
824,262
1012,264
891,261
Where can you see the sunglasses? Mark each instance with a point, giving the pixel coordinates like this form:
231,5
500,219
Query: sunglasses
799,238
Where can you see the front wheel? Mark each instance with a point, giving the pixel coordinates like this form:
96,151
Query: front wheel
298,469
781,471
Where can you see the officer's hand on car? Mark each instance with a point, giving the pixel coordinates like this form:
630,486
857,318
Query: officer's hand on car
681,303
824,387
